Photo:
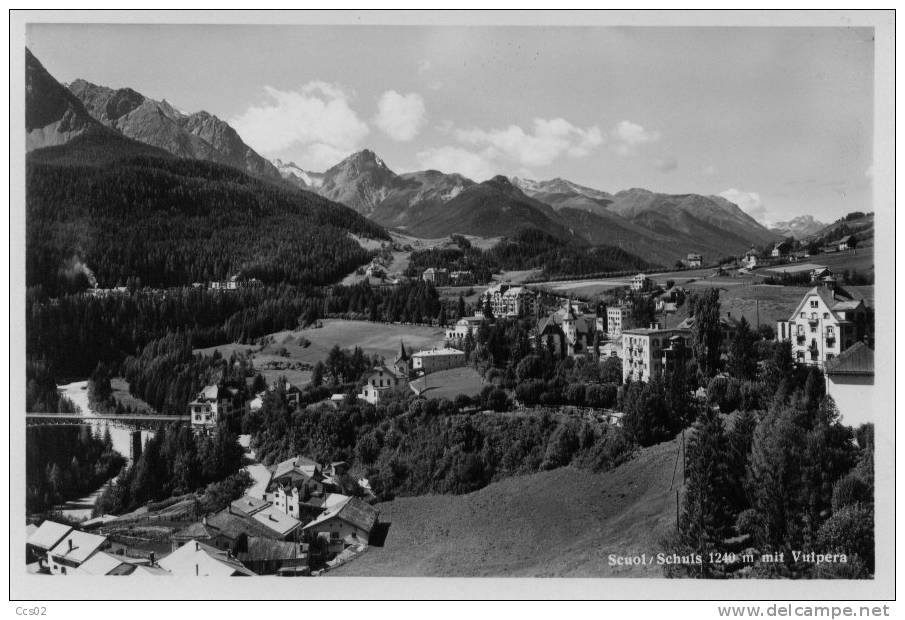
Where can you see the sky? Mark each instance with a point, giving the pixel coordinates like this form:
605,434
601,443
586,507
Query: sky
778,120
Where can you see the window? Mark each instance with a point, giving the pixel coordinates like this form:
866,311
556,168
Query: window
802,315
813,303
813,329
826,315
829,332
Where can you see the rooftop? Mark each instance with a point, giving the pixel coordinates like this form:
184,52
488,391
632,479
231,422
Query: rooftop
858,359
350,509
102,564
48,535
77,546
276,520
443,351
796,268
197,559
249,505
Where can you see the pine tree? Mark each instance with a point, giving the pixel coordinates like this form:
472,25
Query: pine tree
773,480
706,519
317,374
742,355
460,309
706,335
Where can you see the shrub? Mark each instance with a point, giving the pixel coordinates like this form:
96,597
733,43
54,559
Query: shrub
849,491
850,531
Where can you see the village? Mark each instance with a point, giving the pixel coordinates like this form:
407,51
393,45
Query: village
302,517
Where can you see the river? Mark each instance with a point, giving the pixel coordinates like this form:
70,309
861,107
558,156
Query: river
80,509
77,392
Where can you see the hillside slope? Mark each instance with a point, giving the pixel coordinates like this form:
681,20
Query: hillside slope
560,523
119,208
662,228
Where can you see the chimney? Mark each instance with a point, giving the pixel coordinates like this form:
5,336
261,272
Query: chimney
196,570
151,558
204,520
197,547
70,543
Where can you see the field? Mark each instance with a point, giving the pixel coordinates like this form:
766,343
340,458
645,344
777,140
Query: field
771,302
560,523
450,383
292,353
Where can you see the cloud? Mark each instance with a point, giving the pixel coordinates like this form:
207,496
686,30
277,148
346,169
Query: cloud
400,116
628,136
749,202
474,165
314,124
708,170
666,164
547,141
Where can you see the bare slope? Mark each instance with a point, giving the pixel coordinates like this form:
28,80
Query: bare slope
560,523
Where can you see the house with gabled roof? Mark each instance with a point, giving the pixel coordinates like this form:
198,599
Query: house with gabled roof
103,563
380,382
849,380
277,523
348,517
196,559
827,321
73,550
212,404
567,330
47,536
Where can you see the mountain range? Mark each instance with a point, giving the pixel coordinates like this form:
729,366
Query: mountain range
661,228
197,136
799,227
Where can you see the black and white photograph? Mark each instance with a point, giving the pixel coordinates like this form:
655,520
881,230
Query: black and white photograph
575,299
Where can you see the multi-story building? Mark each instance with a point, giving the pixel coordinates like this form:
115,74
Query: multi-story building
618,318
640,282
211,404
437,359
694,260
439,276
506,300
827,321
644,350
379,383
567,330
464,326
461,278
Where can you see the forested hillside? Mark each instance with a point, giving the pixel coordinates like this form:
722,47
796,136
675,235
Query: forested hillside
529,249
172,222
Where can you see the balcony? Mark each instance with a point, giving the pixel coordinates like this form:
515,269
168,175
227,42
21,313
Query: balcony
800,339
830,341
